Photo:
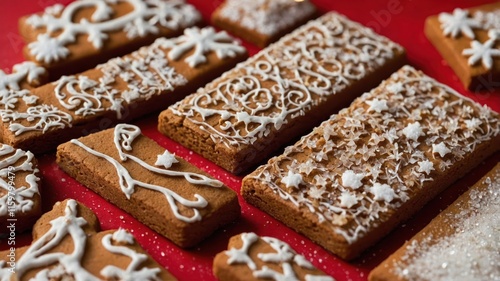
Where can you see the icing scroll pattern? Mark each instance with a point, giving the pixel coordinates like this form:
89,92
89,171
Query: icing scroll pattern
286,79
70,264
145,18
350,184
13,163
284,255
124,136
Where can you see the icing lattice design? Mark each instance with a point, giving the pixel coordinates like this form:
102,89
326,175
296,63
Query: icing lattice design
266,17
14,198
283,255
145,17
69,265
124,136
461,22
373,156
285,80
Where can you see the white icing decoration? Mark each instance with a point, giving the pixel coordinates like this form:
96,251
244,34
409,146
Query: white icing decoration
461,22
441,149
124,136
12,163
145,71
484,52
458,23
393,167
284,255
25,70
352,180
266,17
413,131
166,160
292,180
471,252
132,272
202,41
69,265
299,71
145,18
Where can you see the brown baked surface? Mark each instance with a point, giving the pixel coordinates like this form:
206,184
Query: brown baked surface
250,257
151,207
120,90
262,23
475,77
448,255
359,174
82,54
20,201
70,220
241,118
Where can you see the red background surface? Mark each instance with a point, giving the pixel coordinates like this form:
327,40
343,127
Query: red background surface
400,20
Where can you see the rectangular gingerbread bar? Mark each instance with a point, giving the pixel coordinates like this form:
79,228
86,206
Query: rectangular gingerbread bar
374,164
262,22
461,243
73,38
250,257
469,40
162,191
120,90
239,119
68,245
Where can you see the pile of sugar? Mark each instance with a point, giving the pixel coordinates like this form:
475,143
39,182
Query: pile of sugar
472,253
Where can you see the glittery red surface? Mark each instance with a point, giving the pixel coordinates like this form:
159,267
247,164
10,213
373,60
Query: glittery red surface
400,20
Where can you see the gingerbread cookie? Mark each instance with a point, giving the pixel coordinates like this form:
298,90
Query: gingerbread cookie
374,164
162,191
262,22
76,37
469,40
239,119
461,243
250,257
120,90
67,245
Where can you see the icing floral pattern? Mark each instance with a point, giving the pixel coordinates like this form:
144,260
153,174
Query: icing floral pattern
462,23
361,164
124,136
266,17
15,162
37,117
145,73
285,80
69,264
146,17
284,255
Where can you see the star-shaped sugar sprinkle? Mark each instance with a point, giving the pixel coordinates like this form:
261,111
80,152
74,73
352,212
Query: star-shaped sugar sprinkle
413,131
441,149
377,105
425,166
458,23
348,200
382,192
395,88
292,180
352,180
166,160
